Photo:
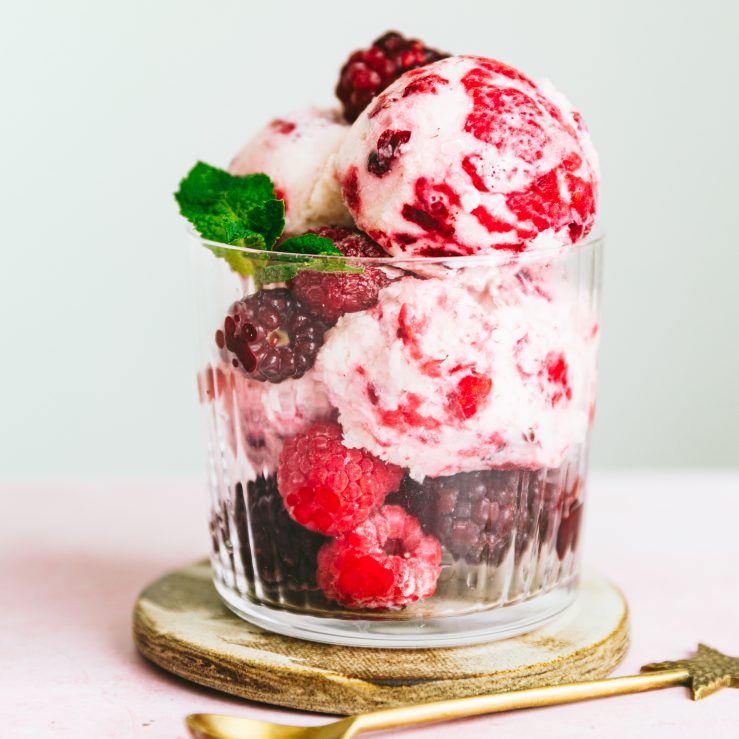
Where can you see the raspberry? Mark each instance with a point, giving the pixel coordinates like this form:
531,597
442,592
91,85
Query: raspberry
368,72
271,335
280,552
385,562
331,294
328,487
474,514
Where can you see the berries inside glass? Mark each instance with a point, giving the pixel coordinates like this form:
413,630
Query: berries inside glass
398,453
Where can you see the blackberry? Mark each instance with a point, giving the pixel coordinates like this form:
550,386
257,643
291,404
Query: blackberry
474,514
368,72
271,335
280,553
331,294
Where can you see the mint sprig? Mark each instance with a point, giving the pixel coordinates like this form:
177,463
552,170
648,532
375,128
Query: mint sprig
242,210
237,210
288,264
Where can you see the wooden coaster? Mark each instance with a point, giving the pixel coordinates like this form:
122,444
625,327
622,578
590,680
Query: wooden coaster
181,625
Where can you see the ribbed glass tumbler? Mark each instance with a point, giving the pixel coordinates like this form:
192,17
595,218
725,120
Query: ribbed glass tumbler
397,447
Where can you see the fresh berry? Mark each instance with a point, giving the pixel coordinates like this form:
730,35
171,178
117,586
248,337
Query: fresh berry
385,562
271,335
331,294
274,549
328,487
368,72
475,515
471,513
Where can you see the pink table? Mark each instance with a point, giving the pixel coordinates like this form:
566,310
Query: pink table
75,556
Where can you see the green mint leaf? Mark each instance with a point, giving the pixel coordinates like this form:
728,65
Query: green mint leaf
308,244
241,262
285,269
331,265
238,210
277,273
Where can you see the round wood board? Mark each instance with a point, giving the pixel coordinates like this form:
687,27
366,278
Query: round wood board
180,624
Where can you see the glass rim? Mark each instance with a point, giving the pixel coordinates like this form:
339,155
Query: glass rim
559,251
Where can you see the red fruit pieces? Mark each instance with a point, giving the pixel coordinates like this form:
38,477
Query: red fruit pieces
331,294
472,390
328,487
557,374
386,562
368,72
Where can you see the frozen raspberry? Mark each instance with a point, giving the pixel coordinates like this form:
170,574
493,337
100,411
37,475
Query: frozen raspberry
385,562
271,335
368,72
273,547
331,294
328,487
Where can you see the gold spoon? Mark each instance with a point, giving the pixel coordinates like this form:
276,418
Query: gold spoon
705,672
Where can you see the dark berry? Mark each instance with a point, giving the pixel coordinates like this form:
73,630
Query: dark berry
569,523
331,294
328,487
368,72
271,335
385,562
475,514
275,549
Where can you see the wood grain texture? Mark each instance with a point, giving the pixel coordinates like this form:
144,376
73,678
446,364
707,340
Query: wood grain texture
181,625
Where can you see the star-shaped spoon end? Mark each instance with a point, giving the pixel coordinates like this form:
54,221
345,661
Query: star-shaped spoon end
709,670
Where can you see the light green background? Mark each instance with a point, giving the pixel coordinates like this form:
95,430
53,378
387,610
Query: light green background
106,104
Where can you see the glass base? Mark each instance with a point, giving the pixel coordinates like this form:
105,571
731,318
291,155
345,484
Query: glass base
451,631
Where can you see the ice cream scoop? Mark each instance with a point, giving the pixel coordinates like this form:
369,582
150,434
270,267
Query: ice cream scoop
297,151
468,156
441,378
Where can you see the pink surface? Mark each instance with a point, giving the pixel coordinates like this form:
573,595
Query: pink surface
75,555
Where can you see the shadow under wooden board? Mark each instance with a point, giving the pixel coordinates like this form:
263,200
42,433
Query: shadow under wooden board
181,625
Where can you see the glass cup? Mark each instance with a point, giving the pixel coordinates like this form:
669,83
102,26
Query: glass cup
410,473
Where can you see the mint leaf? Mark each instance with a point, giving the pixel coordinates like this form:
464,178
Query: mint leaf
277,273
238,210
286,268
308,244
242,263
243,211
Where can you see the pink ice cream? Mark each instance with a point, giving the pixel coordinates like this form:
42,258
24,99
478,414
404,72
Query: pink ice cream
441,377
260,415
297,153
468,156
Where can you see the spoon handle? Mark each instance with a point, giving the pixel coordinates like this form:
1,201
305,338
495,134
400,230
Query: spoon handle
528,698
